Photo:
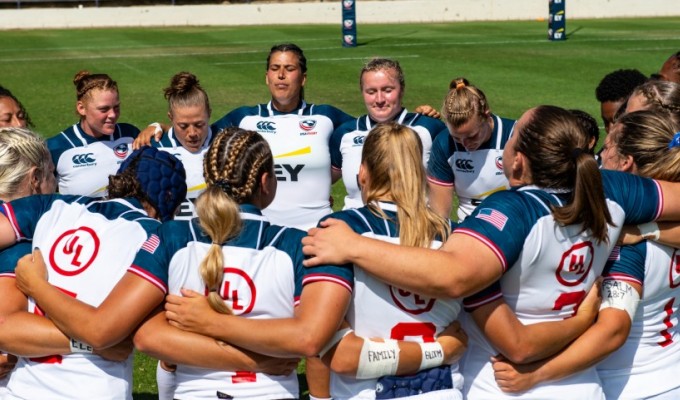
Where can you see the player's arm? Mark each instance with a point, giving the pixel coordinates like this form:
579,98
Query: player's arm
25,334
440,199
456,270
322,308
158,339
7,235
350,356
154,131
609,332
522,343
130,301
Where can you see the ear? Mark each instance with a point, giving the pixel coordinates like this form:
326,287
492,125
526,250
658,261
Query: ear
80,108
627,164
266,77
264,183
34,178
304,79
169,115
362,178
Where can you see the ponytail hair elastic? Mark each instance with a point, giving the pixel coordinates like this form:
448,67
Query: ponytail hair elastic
224,186
675,142
460,84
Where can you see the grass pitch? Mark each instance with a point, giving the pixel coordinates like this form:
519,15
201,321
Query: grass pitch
512,62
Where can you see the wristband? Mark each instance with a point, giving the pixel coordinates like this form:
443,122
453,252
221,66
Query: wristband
649,230
432,355
79,347
159,128
378,359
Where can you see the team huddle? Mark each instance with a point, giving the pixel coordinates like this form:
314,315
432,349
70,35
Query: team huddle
213,247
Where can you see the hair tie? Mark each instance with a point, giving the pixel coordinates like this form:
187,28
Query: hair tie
460,85
576,153
213,290
675,142
224,186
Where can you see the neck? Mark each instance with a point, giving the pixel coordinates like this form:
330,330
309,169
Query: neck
287,107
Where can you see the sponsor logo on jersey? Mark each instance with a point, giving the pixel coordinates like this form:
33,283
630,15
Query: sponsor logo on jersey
307,125
288,172
464,165
411,303
83,160
575,264
238,291
347,4
266,127
499,163
358,140
348,23
74,251
349,39
674,273
121,151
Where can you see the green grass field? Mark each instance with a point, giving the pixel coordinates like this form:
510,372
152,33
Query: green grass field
513,62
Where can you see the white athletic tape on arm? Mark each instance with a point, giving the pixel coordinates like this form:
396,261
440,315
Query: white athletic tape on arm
159,128
649,230
621,295
432,355
79,347
378,359
337,337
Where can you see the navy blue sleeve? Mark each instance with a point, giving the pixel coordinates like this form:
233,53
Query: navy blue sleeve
438,168
640,198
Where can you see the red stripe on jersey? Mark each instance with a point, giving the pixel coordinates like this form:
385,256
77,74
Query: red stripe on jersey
438,182
472,305
12,218
327,278
623,278
144,274
491,245
8,275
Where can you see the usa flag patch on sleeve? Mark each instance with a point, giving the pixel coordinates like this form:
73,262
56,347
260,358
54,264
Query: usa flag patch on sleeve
151,244
494,217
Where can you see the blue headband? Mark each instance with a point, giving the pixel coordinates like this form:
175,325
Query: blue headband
162,178
675,142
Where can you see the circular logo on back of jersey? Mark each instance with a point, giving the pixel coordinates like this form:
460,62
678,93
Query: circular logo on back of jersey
411,303
674,270
238,291
74,251
575,264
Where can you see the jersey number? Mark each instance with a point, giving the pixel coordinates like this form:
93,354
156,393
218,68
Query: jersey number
567,299
425,330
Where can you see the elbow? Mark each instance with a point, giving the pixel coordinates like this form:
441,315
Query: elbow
520,356
343,366
309,345
143,341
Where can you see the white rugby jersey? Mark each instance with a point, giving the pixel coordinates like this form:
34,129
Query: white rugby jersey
193,164
263,278
474,175
83,163
647,363
88,246
299,143
381,310
347,143
548,270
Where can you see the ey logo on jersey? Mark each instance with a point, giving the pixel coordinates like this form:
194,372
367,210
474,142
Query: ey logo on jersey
464,165
83,160
289,172
238,291
266,127
74,251
411,303
121,151
575,264
307,127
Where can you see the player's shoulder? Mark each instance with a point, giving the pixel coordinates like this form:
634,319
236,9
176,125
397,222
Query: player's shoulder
128,130
433,125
